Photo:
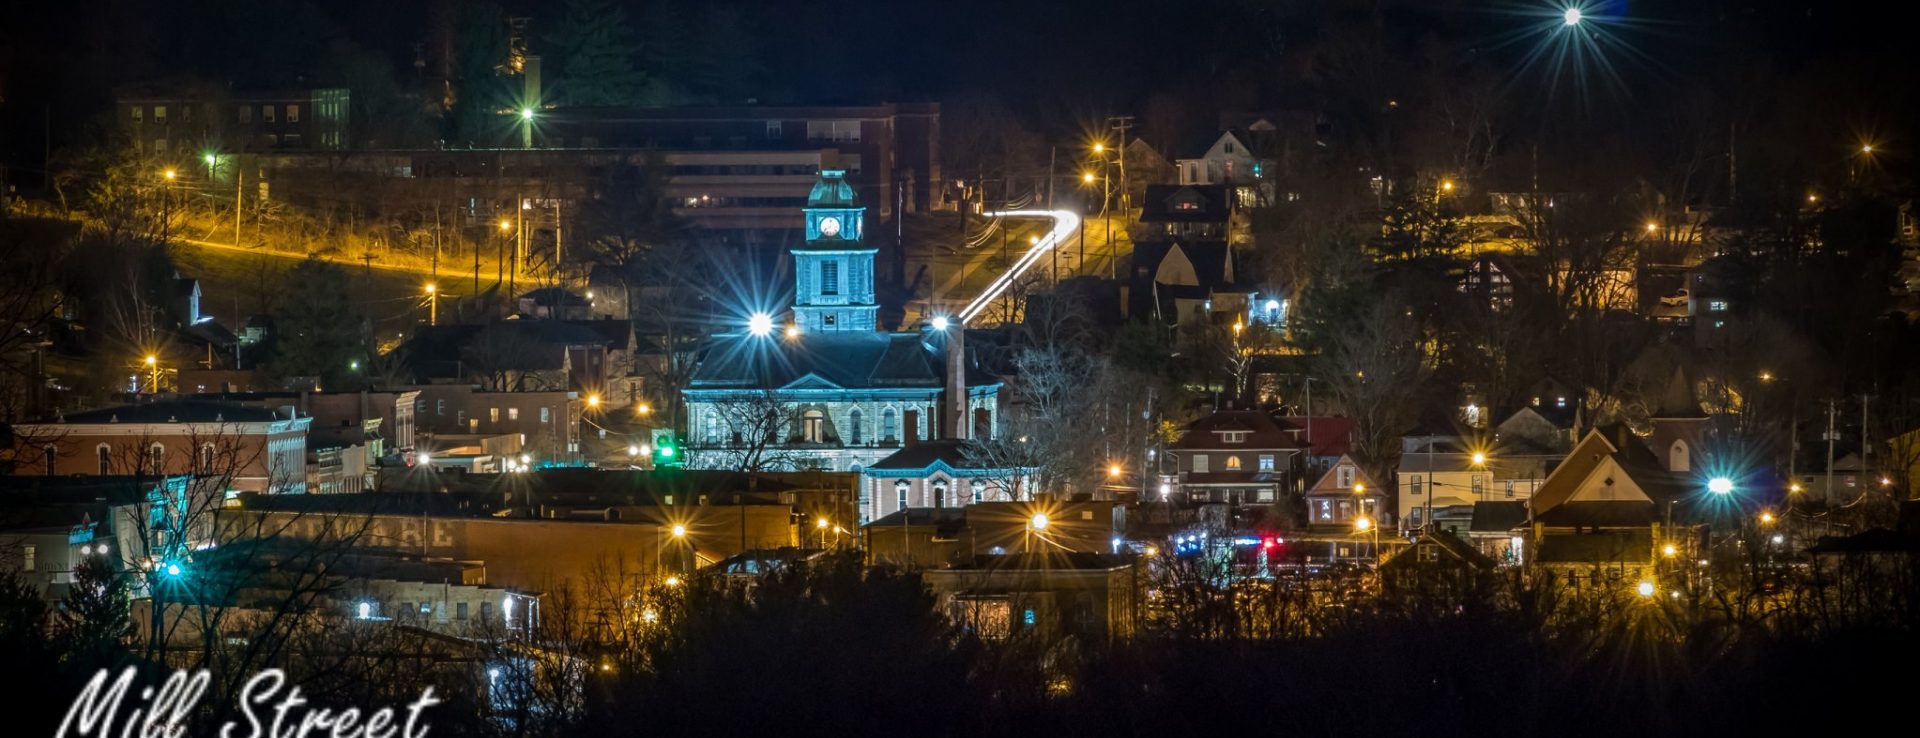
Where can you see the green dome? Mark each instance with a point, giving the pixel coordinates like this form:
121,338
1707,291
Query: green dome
831,191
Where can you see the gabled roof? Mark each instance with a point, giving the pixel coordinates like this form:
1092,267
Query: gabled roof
1326,484
1262,432
1448,542
1678,401
1599,514
1328,435
828,360
1615,446
1185,204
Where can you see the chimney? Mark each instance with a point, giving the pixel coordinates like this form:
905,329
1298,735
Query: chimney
910,427
956,381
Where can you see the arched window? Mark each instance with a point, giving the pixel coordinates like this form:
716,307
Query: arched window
940,494
51,456
976,490
889,426
900,493
813,426
1233,463
1680,459
206,458
856,434
106,459
156,458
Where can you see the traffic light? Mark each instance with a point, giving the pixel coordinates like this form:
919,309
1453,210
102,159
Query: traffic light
666,451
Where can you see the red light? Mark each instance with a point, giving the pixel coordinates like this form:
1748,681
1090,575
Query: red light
1269,543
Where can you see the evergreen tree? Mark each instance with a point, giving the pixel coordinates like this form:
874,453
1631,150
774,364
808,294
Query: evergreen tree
317,332
596,50
95,618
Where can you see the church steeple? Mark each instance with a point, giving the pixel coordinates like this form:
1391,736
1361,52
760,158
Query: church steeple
833,271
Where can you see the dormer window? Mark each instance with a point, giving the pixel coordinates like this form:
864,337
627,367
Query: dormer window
1343,476
1233,437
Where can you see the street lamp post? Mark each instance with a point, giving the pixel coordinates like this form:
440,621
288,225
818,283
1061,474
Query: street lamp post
433,304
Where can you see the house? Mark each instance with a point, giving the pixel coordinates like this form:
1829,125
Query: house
1607,511
829,390
1452,482
255,449
1181,281
1543,429
1679,425
1041,596
178,124
1326,438
1499,530
1230,162
1195,212
1437,569
1345,494
937,474
1241,457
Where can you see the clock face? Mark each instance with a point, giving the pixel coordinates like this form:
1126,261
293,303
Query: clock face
829,226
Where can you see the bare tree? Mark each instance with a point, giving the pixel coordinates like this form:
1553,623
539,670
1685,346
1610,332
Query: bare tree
1373,369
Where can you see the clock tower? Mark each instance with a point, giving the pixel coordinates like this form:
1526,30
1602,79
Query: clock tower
833,271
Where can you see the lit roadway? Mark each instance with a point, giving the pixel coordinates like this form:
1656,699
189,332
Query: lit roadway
967,282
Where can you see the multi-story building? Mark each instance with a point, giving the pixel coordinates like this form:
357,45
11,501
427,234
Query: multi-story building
821,388
1235,456
256,449
890,152
188,124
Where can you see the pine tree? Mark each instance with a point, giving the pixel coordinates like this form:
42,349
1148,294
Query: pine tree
317,332
596,50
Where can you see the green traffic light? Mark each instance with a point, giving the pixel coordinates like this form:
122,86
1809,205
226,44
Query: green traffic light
666,450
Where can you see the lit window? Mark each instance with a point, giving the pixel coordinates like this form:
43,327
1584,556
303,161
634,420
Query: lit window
139,114
900,494
159,113
493,415
266,113
1343,476
293,114
546,415
1200,463
1266,462
1413,485
1233,463
1718,306
812,426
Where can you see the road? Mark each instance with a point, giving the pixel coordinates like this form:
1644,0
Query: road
960,275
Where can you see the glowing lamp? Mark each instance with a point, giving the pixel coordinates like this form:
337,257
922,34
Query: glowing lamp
940,322
679,531
760,324
1039,521
1645,588
1571,17
1720,485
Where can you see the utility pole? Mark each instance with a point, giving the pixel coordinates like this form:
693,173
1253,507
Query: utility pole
239,194
1830,436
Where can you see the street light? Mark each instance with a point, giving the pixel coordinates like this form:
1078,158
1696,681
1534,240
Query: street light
1113,471
526,114
678,530
433,304
170,174
1766,518
793,332
1720,486
1086,177
1571,17
940,322
505,225
1645,588
1039,521
760,324
1479,458
593,401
